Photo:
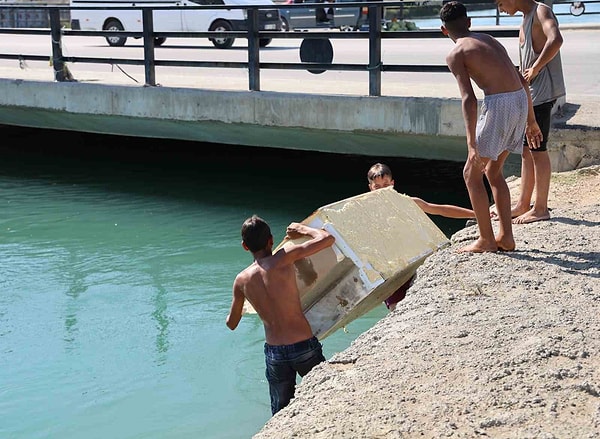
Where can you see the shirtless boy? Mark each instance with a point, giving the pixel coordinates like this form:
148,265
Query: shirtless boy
506,116
380,176
269,284
540,41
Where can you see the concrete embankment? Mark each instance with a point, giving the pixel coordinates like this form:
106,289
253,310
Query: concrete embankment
386,126
499,345
425,127
574,140
418,116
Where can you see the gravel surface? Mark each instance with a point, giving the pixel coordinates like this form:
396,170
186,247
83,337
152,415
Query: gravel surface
498,345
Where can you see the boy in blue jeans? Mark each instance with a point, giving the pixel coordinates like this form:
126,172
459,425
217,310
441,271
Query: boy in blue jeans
269,284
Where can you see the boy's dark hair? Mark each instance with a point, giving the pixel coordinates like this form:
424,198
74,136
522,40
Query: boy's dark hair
453,11
378,170
256,233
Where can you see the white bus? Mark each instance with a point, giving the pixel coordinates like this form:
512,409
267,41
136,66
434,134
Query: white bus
174,20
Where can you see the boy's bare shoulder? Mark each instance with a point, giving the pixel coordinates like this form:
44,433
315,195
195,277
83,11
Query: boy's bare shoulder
544,8
455,52
246,273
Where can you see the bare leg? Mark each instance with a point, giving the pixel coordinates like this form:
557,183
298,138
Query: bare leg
543,172
528,178
505,239
527,184
479,201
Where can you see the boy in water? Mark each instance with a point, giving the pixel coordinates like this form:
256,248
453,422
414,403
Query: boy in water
269,284
540,41
506,117
380,176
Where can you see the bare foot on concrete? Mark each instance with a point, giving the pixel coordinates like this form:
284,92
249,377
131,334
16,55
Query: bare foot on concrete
479,246
532,216
514,213
505,245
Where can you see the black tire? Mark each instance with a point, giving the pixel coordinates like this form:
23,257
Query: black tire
285,26
158,41
221,26
264,42
115,25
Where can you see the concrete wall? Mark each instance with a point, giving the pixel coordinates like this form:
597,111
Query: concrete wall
428,128
414,127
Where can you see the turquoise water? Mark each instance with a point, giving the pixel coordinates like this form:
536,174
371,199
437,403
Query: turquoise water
116,279
488,17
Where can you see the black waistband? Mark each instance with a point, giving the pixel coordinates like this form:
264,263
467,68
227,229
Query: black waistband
305,344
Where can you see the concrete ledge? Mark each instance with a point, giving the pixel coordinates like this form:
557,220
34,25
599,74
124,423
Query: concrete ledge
574,148
574,140
428,128
408,115
417,127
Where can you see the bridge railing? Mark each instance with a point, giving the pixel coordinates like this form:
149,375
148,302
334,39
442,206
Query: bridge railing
254,65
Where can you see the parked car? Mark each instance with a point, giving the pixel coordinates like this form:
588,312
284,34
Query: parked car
172,20
331,15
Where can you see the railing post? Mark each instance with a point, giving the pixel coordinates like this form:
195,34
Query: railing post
148,31
253,50
375,50
58,65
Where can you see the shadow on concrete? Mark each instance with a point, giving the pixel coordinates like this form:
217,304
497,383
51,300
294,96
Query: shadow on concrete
565,113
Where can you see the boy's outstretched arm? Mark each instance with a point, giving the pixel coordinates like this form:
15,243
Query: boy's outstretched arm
447,210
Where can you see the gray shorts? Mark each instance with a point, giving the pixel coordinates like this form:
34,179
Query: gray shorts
501,124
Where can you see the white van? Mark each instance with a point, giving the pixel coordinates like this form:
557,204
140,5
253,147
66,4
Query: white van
175,20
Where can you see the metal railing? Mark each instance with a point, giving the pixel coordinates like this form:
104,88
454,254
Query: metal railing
253,35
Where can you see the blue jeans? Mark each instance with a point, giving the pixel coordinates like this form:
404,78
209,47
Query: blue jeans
283,362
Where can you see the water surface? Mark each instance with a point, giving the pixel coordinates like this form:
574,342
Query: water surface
118,256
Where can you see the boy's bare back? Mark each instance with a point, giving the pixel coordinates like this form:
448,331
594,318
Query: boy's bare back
486,61
270,286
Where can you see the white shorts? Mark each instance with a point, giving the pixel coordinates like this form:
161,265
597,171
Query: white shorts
501,124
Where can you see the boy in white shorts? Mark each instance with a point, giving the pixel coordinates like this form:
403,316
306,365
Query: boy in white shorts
507,114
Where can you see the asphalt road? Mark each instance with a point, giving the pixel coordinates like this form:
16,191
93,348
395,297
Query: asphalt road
580,54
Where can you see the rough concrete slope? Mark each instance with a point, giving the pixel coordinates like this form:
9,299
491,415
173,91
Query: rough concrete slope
503,345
